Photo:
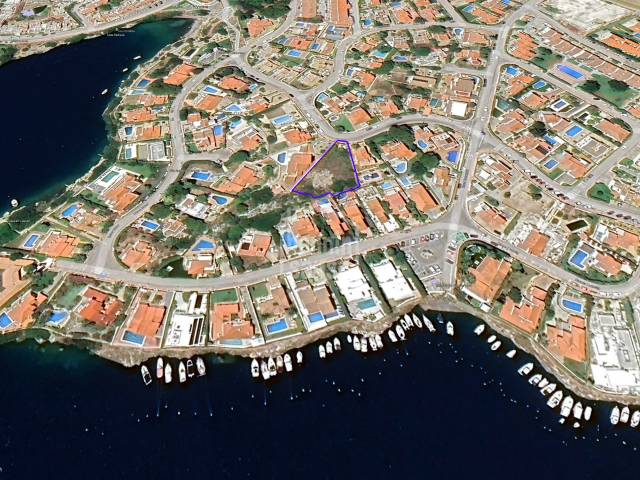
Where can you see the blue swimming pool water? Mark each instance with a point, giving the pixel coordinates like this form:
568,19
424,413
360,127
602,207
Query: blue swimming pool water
551,164
218,130
573,131
378,54
200,175
150,225
540,84
405,181
368,303
220,200
469,8
294,53
70,211
315,317
560,104
203,245
570,71
572,305
368,22
289,239
400,167
282,158
143,83
422,144
31,241
212,90
550,140
315,46
279,326
579,258
400,58
128,130
453,156
5,321
58,317
131,337
512,70
386,186
282,119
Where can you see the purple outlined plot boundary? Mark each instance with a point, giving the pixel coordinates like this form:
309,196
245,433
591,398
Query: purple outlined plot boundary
333,194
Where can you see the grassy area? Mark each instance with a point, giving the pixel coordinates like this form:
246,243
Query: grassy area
333,173
69,298
146,169
545,59
259,291
601,192
580,369
6,53
343,123
615,97
225,296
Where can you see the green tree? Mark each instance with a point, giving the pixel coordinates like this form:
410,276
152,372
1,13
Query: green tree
591,86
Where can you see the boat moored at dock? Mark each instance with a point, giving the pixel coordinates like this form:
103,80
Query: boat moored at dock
288,365
554,400
392,336
496,345
190,371
356,343
400,332
525,369
337,346
429,324
146,376
167,373
329,347
624,414
200,366
255,368
321,351
479,329
511,353
614,417
159,368
450,329
264,369
182,372
635,419
299,357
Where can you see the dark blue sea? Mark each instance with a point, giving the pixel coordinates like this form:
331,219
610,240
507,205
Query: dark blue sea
52,126
431,407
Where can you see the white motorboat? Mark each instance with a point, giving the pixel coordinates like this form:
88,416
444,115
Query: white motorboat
288,365
299,357
125,69
146,376
379,341
321,351
429,324
495,345
491,339
535,379
190,371
407,318
264,369
400,332
364,346
200,366
615,415
167,373
271,363
567,404
511,353
372,344
548,389
479,329
404,324
624,414
356,343
392,336
329,347
279,363
255,368
587,413
543,383
577,410
348,338
182,372
450,329
635,419
159,368
554,400
525,369
336,344
104,92
416,320
137,57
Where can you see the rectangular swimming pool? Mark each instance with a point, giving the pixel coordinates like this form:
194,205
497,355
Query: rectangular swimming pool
570,71
579,258
278,326
573,131
134,338
315,317
31,241
150,225
5,321
572,305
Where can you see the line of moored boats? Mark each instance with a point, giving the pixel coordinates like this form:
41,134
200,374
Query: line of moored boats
624,415
568,406
270,367
165,371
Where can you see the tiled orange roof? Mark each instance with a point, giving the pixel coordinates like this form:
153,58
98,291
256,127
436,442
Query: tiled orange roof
378,210
305,227
259,246
526,315
358,117
233,83
354,214
138,255
101,309
362,156
209,103
147,320
570,344
245,177
398,151
308,9
613,130
422,198
228,323
339,13
257,26
23,312
179,74
58,244
297,136
398,205
535,243
488,277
